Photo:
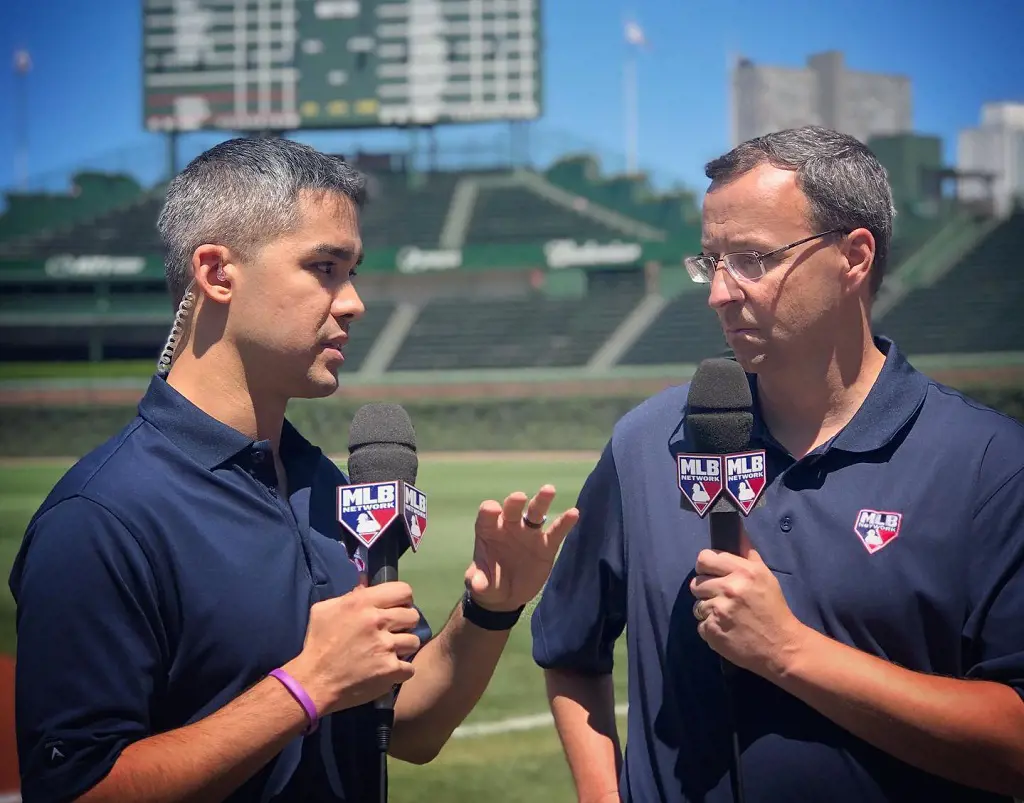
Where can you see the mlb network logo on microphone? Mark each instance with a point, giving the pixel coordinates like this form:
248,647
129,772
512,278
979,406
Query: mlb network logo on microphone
367,510
704,477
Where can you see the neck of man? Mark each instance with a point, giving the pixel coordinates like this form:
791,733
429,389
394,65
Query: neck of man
218,384
807,400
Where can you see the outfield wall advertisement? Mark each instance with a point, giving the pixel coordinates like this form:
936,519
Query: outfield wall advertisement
557,254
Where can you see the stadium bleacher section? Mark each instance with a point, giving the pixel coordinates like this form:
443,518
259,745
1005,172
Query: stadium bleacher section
686,331
91,193
532,332
522,313
975,307
516,214
415,206
363,335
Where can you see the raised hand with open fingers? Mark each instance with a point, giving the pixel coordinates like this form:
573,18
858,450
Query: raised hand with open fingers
515,549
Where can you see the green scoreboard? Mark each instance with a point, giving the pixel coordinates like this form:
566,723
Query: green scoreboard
274,65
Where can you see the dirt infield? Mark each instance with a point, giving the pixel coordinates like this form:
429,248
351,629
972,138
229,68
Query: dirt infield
8,748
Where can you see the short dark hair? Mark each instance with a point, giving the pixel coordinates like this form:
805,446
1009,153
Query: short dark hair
845,185
243,193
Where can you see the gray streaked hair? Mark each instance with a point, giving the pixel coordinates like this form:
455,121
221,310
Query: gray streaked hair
845,185
241,194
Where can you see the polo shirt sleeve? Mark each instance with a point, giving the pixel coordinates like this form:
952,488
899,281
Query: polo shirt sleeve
994,633
88,653
582,610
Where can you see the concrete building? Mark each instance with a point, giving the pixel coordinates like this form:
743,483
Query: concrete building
825,92
995,147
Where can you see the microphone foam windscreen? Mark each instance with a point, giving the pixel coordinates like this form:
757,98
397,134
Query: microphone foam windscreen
719,419
382,445
719,384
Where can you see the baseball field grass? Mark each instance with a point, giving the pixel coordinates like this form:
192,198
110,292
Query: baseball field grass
515,759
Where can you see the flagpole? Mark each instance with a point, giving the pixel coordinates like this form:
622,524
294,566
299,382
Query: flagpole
22,65
630,103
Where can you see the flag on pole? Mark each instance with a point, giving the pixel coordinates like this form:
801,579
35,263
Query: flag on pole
635,35
22,61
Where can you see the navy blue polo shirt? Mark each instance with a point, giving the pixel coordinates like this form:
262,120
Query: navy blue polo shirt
944,596
163,576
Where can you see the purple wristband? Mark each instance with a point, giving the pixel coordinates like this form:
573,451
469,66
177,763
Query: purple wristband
300,696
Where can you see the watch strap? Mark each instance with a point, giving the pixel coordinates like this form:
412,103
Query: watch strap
487,619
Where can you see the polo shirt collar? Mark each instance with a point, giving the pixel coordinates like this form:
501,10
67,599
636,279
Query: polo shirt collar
201,436
206,440
894,399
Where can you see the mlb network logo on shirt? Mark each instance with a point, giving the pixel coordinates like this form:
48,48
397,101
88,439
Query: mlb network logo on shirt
876,528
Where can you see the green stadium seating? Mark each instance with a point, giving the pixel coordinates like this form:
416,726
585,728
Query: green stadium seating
630,195
974,308
365,331
92,194
65,305
518,215
396,214
406,211
516,333
970,309
686,331
126,231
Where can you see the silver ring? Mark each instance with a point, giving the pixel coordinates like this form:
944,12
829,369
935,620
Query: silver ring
533,525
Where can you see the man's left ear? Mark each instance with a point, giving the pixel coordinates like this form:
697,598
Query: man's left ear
860,256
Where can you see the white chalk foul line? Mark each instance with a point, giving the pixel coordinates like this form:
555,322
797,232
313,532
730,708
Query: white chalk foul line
512,725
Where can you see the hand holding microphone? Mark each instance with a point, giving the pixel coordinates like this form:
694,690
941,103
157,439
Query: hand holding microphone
740,607
354,646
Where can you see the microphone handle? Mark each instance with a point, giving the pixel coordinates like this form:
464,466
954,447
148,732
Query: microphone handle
382,567
383,558
725,532
726,528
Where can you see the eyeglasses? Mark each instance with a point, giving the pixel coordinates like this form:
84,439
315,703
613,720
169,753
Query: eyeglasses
743,266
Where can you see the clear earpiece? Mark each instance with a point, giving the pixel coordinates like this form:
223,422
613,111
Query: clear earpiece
163,365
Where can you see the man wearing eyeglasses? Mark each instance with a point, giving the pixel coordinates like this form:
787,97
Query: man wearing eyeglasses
877,608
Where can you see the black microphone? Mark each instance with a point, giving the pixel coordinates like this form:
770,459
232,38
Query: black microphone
384,513
382,468
724,478
721,475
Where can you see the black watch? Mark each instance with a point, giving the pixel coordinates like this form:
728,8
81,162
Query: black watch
489,620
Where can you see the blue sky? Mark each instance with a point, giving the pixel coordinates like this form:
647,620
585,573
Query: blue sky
84,92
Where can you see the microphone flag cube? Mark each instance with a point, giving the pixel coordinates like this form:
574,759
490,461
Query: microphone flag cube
739,477
367,510
414,508
745,478
700,480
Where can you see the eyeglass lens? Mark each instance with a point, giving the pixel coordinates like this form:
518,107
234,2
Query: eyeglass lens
702,269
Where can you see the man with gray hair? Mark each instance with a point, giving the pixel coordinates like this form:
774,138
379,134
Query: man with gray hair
190,625
874,611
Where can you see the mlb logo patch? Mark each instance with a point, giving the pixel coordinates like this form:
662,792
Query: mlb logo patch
415,515
700,480
745,478
876,528
367,510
